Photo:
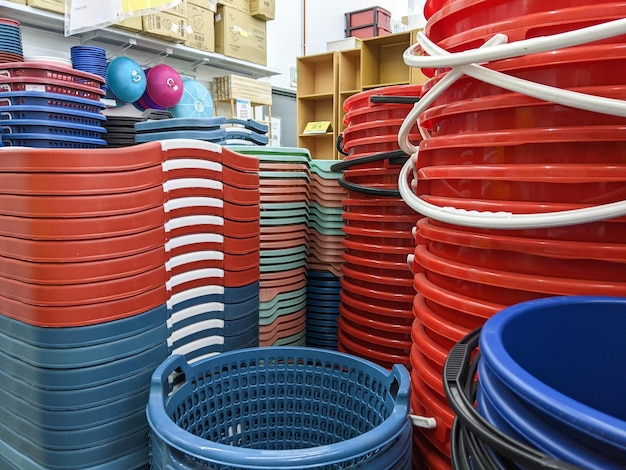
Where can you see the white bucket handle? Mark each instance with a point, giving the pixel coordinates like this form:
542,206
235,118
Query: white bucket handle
464,63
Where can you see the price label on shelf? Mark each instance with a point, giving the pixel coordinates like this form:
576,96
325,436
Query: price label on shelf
317,127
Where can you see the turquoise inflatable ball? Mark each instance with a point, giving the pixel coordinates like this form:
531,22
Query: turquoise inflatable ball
126,79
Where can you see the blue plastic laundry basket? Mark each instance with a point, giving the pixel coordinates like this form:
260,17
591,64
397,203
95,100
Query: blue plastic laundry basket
279,408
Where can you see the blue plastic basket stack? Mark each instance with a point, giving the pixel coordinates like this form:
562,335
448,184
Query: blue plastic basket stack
279,408
46,105
212,212
82,305
217,129
284,179
325,249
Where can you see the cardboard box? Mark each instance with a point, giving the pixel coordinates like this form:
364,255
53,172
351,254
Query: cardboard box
240,35
165,25
344,44
232,87
241,5
201,28
132,23
263,9
208,4
178,10
57,6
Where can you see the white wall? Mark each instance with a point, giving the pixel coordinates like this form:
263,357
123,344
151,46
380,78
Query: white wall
325,19
284,41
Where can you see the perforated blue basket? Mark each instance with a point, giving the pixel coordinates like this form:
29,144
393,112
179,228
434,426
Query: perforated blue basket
278,408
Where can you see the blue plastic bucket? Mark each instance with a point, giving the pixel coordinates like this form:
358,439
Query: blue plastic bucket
279,408
553,375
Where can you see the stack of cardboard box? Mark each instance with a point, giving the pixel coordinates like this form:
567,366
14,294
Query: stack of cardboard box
235,28
238,34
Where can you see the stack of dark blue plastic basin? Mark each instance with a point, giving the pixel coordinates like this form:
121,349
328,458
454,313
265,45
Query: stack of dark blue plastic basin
219,130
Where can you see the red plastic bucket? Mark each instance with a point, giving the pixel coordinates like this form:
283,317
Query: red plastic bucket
376,113
373,280
362,99
399,326
371,129
381,310
384,237
375,339
450,17
459,307
378,298
353,345
377,144
446,333
381,206
397,270
500,279
561,183
514,111
554,248
561,68
544,21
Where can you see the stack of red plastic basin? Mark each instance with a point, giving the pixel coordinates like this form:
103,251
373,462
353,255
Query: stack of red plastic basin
495,150
82,309
376,285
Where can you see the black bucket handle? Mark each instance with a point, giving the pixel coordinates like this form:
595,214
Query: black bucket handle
460,387
369,190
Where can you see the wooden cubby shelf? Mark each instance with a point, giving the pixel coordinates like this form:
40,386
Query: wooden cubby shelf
326,80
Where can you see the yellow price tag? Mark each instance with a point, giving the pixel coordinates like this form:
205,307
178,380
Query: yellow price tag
317,127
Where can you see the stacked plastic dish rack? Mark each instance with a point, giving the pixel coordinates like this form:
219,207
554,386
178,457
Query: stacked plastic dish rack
216,129
49,105
82,308
524,152
325,249
212,227
284,195
376,284
334,411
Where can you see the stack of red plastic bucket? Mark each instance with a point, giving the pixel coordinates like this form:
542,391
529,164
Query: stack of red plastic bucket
82,308
376,285
494,150
212,225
